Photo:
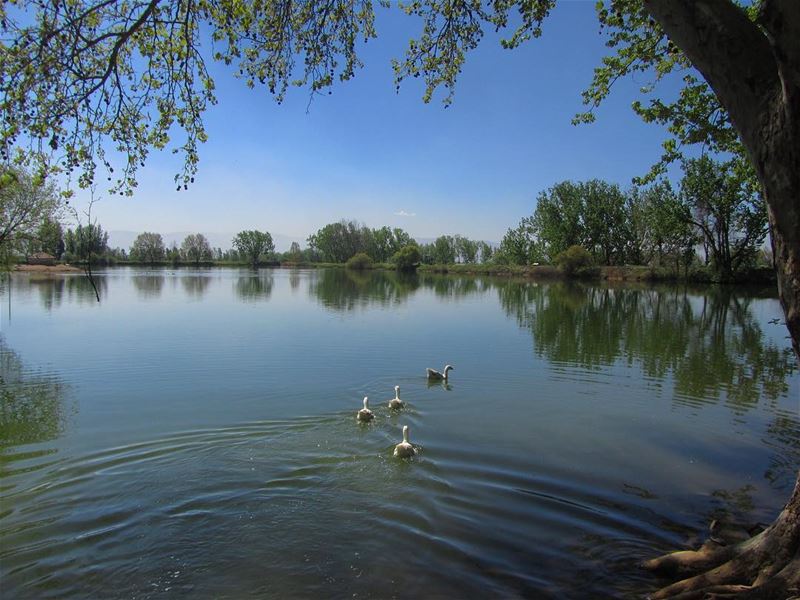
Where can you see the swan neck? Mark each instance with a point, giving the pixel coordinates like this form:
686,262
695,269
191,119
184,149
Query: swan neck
405,434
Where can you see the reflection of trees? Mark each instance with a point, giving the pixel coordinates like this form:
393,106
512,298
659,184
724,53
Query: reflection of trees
255,286
709,344
445,286
31,407
783,436
52,289
148,286
294,279
195,285
344,289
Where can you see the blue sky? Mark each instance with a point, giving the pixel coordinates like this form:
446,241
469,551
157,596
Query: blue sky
386,158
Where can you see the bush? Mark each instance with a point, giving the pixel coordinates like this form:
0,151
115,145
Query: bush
359,262
407,258
573,259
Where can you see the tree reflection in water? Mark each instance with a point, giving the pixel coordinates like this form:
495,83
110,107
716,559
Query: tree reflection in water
195,286
346,290
148,285
255,286
31,406
710,345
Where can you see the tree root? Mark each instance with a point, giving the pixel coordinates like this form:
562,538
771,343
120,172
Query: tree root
766,566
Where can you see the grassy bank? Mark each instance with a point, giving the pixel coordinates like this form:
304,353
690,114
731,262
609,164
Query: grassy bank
760,276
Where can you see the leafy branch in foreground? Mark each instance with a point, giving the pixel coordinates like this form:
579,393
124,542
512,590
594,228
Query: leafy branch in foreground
78,75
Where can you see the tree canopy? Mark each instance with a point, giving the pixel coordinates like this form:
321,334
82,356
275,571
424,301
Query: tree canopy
253,244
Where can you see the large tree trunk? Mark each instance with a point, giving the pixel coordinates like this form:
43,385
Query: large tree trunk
755,73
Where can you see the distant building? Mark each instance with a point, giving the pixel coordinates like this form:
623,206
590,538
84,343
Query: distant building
41,258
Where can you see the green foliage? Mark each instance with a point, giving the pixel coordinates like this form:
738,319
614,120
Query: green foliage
86,242
173,255
444,250
74,82
359,262
385,242
254,244
605,221
521,246
148,247
77,75
641,48
50,236
26,203
451,29
557,220
337,242
486,252
466,249
195,248
661,231
407,258
573,259
724,203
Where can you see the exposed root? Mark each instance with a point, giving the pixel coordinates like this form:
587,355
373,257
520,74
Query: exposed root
766,566
689,562
713,592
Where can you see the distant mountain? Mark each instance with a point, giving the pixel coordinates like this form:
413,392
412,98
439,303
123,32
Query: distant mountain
124,239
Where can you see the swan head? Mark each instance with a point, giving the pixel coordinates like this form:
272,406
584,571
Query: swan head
397,391
366,402
448,368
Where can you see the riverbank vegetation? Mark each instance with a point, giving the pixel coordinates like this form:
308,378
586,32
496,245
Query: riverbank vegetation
711,227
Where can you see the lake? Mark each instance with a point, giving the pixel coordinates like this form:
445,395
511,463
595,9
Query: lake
194,433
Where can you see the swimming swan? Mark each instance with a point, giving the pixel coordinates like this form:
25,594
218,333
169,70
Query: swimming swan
365,414
395,402
404,449
434,374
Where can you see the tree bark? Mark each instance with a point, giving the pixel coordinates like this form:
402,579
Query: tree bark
755,74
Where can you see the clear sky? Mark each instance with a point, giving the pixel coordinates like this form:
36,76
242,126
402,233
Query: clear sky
386,158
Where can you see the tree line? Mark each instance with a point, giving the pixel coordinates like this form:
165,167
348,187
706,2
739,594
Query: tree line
715,217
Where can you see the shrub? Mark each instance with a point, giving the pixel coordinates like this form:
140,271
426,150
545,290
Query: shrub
359,262
573,259
407,258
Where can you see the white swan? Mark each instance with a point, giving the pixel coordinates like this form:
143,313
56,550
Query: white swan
434,374
404,449
395,402
365,414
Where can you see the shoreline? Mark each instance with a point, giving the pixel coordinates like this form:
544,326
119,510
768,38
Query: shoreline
46,269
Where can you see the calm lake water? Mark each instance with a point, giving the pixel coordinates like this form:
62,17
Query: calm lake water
194,434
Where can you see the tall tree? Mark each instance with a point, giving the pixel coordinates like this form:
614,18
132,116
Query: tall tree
558,218
521,246
466,249
337,242
51,237
605,223
26,202
727,210
666,234
86,242
444,250
253,244
148,247
195,248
